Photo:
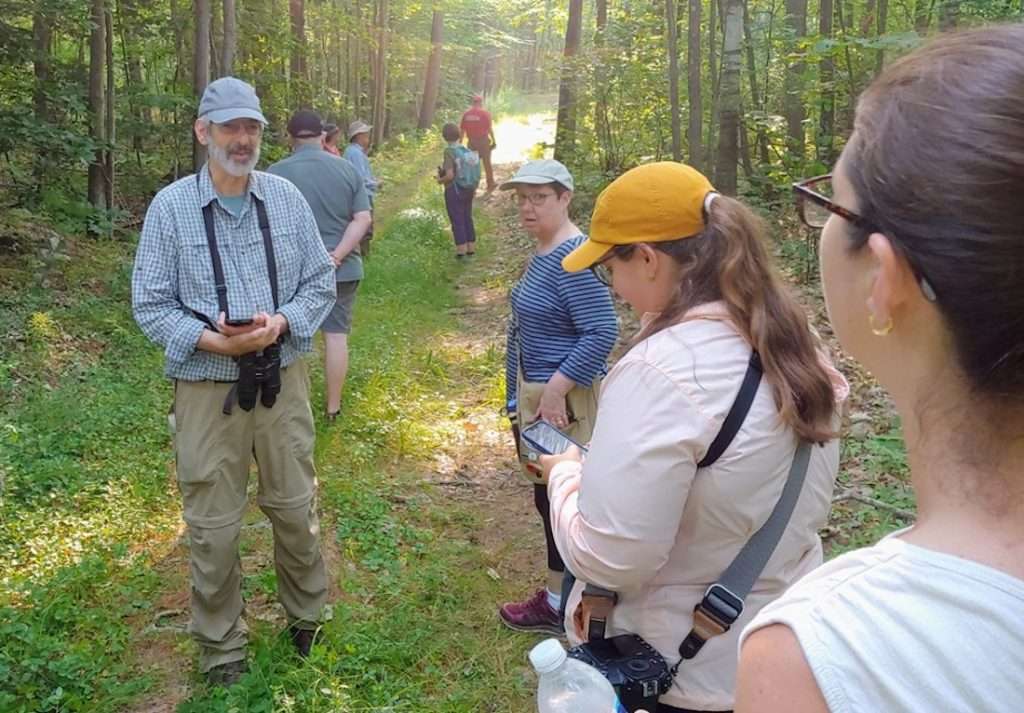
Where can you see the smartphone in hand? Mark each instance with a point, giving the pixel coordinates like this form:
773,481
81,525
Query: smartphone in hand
238,322
544,438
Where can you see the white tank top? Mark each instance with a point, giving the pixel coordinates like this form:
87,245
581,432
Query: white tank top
896,627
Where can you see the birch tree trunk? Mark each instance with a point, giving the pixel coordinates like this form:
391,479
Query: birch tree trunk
672,42
694,129
728,135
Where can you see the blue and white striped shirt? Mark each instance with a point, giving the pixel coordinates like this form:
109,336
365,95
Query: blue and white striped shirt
173,274
563,321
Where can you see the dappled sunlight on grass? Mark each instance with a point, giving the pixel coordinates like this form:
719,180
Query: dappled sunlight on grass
531,136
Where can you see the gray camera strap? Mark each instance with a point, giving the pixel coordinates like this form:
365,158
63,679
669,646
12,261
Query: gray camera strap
723,601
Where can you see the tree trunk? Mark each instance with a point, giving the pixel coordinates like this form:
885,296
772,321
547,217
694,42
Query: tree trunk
694,129
565,133
883,20
714,74
602,122
826,86
201,69
796,21
97,50
380,84
297,60
949,15
755,94
42,36
108,158
230,43
923,16
672,41
728,135
433,78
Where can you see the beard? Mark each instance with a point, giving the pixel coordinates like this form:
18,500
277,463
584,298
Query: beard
224,157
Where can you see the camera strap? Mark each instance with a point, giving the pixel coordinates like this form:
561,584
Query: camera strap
220,282
601,601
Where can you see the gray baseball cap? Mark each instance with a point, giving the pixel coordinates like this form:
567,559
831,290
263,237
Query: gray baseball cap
536,173
227,99
358,127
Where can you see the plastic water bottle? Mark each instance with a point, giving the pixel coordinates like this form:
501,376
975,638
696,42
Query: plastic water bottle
570,686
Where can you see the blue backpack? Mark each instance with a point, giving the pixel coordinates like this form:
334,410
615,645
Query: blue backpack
467,167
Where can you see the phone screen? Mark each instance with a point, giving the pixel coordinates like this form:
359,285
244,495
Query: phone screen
545,438
238,322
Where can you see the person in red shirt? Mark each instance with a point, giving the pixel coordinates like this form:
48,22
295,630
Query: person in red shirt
476,126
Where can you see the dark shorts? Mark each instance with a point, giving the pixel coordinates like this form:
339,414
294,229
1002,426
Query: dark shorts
339,321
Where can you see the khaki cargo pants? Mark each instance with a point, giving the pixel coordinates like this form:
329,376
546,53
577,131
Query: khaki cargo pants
214,453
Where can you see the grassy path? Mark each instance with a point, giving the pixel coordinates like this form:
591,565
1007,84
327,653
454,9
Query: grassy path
425,525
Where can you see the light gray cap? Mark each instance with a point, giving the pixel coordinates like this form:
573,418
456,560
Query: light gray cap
536,173
227,99
358,127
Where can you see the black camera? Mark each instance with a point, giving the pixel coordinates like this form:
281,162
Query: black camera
259,373
638,672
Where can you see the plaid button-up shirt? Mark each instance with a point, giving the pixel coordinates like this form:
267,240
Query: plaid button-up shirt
173,276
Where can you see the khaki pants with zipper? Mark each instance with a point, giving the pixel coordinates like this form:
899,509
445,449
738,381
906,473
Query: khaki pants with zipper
214,453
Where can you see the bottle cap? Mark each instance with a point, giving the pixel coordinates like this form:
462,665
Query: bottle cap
547,655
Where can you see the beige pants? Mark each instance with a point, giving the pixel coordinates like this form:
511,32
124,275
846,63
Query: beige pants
581,404
214,453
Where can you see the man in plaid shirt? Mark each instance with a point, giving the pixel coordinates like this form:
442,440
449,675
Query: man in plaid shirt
175,302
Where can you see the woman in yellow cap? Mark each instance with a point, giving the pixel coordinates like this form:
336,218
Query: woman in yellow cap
671,489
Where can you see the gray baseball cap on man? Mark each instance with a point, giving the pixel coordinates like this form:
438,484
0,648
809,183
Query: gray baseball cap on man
536,173
227,99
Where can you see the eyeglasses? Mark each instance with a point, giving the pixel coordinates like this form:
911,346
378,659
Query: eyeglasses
814,204
601,271
238,126
535,199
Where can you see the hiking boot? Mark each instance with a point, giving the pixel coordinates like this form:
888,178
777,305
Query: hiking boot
227,674
534,614
303,640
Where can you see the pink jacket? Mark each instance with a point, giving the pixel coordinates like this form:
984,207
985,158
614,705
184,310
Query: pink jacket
638,517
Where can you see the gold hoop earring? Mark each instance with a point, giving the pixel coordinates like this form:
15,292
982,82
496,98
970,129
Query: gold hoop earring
880,331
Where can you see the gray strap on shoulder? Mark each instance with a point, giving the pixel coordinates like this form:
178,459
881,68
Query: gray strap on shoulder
723,601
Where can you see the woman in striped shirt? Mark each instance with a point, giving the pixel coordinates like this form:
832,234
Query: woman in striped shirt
562,328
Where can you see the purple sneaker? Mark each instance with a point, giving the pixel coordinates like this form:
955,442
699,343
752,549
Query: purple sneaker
534,615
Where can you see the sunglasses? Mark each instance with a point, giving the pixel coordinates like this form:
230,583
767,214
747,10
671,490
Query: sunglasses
815,206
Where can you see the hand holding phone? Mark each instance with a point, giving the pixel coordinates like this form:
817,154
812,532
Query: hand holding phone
238,322
545,439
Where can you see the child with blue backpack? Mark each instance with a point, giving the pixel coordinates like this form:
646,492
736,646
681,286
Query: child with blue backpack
460,175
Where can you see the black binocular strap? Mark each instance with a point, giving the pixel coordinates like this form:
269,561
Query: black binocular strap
220,282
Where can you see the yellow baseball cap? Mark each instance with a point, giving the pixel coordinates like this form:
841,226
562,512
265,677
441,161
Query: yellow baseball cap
647,204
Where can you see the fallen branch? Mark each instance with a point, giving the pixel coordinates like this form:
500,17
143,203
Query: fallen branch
905,514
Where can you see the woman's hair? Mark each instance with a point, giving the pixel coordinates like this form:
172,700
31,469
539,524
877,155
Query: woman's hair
451,132
728,261
937,162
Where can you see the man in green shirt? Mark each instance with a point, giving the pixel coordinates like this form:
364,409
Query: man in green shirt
335,191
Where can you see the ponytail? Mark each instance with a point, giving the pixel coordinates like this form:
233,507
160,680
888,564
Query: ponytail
728,262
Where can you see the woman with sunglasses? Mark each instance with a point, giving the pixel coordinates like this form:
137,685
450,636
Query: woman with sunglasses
645,515
922,264
561,331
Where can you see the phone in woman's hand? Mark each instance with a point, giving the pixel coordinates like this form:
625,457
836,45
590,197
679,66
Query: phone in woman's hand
544,438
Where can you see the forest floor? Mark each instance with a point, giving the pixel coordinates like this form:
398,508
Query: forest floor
426,525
